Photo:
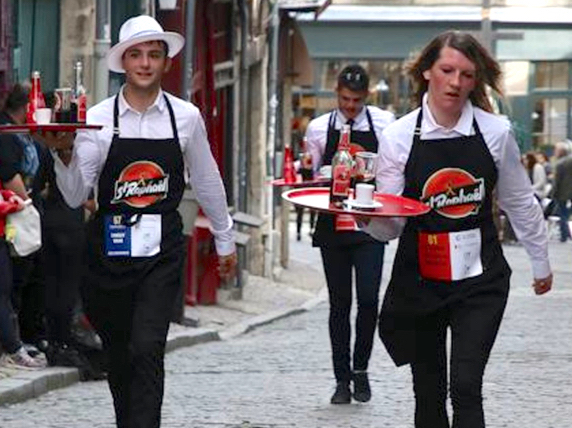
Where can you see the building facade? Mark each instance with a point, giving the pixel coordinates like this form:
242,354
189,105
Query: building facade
224,70
531,39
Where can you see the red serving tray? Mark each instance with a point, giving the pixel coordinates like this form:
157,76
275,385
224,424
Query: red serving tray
318,198
316,181
52,127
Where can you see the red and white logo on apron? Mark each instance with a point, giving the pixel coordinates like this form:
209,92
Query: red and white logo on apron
454,193
141,184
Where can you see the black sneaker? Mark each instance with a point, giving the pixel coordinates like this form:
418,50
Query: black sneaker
342,394
362,391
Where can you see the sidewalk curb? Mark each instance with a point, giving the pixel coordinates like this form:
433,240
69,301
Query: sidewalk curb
26,385
32,384
264,319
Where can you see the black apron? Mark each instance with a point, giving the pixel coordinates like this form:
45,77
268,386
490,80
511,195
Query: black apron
437,172
140,176
325,234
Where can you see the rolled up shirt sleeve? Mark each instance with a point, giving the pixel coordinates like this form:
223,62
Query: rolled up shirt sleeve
390,178
207,184
316,138
516,199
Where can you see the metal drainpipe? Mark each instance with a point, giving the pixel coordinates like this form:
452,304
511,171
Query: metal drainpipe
189,49
101,47
271,136
33,36
243,149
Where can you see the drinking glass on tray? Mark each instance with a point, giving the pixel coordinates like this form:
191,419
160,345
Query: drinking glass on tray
365,167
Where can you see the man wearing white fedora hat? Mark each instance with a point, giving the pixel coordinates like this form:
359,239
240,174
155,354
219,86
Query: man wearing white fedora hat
136,165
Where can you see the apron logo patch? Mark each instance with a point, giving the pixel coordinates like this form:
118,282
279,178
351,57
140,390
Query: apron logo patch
141,184
454,193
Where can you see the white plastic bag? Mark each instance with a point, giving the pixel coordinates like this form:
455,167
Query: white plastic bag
24,230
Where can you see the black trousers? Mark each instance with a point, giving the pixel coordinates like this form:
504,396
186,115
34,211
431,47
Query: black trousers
9,340
367,260
474,323
63,255
300,219
28,297
133,322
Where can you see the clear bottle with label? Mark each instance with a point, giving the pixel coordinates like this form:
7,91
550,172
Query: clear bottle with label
79,96
35,98
306,167
342,164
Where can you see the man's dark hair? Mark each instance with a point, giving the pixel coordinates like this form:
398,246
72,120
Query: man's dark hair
165,47
16,99
354,78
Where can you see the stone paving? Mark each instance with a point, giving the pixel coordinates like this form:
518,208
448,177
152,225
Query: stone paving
279,375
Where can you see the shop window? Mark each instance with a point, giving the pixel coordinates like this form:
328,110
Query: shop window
549,121
552,75
388,86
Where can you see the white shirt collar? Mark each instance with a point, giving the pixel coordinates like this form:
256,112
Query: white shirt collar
360,116
124,106
463,126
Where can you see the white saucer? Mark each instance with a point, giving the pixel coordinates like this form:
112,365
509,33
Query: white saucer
352,203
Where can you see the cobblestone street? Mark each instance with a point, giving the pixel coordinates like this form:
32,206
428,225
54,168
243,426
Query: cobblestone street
280,375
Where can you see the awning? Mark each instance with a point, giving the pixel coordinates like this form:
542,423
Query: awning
395,32
316,7
454,14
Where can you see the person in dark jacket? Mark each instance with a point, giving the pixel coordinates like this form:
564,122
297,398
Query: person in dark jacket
22,172
562,190
19,163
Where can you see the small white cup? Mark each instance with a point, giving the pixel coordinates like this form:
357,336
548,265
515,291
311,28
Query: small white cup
364,193
43,116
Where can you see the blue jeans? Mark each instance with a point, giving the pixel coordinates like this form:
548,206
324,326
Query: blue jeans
8,333
564,214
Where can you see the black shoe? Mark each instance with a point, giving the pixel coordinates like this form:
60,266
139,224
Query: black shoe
342,394
62,355
362,391
298,236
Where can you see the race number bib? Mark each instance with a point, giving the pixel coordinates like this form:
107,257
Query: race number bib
450,256
139,236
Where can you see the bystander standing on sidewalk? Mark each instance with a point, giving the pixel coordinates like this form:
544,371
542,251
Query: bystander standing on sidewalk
19,170
562,190
136,165
13,353
449,270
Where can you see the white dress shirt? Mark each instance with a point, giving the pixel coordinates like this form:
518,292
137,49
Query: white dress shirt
317,130
91,148
514,191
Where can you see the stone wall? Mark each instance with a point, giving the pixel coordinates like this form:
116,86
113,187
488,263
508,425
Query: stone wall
76,42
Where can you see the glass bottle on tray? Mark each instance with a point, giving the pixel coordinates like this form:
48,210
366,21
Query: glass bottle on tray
79,103
35,98
306,170
342,164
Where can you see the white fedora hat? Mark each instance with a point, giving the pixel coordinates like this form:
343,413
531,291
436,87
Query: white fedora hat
140,29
